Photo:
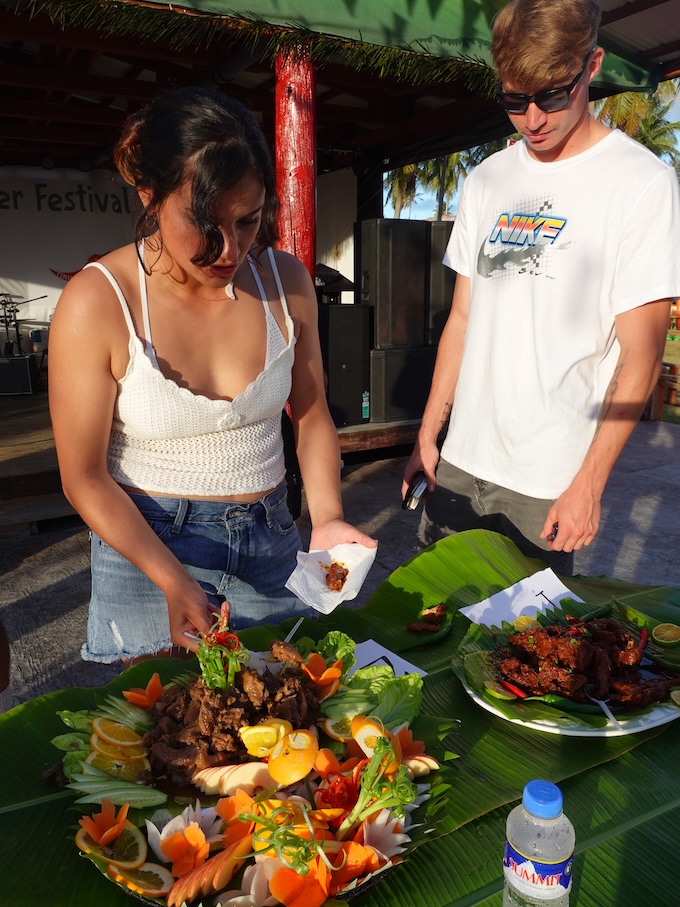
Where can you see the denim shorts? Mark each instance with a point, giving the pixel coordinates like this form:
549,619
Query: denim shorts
243,552
462,501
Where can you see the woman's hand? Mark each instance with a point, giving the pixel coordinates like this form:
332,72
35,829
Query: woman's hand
189,613
337,532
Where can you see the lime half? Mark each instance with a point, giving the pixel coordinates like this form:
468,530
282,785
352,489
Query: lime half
498,690
666,634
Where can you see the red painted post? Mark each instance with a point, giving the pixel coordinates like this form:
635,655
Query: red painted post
295,152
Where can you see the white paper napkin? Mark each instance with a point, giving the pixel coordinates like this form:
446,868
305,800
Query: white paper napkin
371,652
530,596
308,580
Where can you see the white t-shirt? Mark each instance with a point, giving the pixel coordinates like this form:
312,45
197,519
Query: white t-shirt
553,252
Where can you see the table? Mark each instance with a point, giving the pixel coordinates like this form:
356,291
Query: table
622,794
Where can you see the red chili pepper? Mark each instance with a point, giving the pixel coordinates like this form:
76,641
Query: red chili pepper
356,774
513,689
341,793
644,636
230,641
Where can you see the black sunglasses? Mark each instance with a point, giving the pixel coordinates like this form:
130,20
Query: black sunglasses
548,101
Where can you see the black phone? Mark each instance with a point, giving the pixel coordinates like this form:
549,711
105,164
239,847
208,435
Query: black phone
415,491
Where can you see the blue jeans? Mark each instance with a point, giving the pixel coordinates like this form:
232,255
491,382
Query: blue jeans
244,552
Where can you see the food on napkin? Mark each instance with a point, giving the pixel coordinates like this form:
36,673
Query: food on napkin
308,580
336,574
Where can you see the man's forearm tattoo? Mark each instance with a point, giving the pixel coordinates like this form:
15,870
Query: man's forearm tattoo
446,414
608,397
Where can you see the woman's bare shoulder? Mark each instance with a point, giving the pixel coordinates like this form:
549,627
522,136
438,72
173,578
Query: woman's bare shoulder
291,269
297,285
90,298
90,283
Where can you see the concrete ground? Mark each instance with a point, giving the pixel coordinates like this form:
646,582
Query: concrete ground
45,577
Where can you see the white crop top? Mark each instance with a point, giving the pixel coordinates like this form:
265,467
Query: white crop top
167,439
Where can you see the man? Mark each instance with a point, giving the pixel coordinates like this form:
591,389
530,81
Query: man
566,252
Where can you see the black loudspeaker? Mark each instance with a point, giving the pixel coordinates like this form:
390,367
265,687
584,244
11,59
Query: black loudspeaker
392,270
441,282
344,332
18,375
400,382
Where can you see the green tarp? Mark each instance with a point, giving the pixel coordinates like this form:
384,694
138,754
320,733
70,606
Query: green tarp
445,29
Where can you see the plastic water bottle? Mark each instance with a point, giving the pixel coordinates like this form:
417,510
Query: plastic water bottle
539,850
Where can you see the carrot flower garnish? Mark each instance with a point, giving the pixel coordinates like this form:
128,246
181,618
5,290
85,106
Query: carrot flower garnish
295,890
186,849
184,840
105,826
146,697
328,679
409,746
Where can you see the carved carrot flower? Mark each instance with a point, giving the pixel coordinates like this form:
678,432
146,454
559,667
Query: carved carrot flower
295,890
105,826
328,679
184,840
145,697
186,849
230,809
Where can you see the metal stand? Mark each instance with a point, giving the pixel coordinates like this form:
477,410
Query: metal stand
10,308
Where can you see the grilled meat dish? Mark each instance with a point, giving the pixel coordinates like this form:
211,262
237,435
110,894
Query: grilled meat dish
597,658
197,727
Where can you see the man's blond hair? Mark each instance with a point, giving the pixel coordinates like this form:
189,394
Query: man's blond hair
543,43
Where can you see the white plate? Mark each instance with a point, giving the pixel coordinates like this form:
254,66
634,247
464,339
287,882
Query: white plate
663,713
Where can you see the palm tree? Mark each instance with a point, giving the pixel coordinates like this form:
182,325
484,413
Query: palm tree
645,117
402,186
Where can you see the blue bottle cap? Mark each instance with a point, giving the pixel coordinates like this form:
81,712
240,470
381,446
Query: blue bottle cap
542,799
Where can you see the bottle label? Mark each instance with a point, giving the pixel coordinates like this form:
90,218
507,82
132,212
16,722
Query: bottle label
542,881
365,405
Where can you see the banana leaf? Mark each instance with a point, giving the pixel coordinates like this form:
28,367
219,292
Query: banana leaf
621,793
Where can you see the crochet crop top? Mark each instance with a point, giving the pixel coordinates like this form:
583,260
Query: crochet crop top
167,439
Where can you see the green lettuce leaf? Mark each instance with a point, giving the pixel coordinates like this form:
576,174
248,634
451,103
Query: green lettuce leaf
400,701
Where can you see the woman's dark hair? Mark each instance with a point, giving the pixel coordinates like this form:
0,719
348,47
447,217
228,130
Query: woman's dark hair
204,136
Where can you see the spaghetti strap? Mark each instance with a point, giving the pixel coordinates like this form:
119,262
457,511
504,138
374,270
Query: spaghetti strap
143,295
119,293
277,278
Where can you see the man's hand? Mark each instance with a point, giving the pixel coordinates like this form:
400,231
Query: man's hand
424,458
577,516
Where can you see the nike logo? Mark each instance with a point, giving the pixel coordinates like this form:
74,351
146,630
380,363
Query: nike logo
521,241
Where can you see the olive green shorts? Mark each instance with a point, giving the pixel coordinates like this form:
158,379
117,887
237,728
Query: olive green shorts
462,501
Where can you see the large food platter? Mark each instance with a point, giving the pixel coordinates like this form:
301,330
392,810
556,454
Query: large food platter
475,667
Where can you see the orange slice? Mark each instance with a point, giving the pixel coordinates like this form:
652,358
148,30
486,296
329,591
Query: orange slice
115,733
340,729
366,732
127,851
104,748
150,879
122,769
293,757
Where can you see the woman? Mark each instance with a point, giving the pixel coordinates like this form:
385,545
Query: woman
167,420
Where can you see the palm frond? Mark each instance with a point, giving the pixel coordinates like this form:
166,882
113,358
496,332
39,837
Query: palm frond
191,28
